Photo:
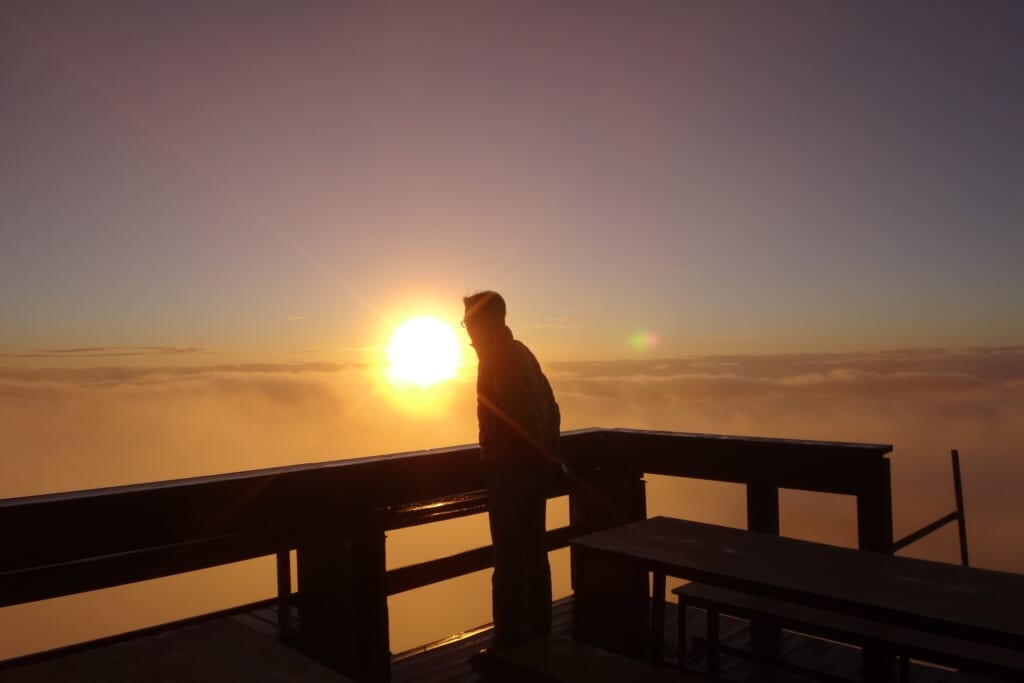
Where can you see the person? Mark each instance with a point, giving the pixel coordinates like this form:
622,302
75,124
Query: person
519,424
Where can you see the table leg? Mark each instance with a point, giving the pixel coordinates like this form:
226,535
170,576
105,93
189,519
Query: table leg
712,643
681,634
658,618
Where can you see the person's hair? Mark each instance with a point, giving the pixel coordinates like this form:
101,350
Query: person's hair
485,306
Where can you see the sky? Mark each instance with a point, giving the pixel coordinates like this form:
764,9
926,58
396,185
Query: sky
288,180
788,219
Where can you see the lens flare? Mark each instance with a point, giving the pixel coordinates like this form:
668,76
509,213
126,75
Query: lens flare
643,341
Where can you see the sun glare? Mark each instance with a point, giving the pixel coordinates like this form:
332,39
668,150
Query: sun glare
423,351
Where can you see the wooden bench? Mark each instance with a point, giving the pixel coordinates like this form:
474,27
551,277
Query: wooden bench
906,643
564,660
974,616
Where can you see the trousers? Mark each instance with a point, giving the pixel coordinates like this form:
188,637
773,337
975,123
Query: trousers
521,583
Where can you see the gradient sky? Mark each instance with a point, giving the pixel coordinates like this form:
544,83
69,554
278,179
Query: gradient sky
291,179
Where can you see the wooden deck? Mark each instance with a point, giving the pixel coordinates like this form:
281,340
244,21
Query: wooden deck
244,646
806,658
240,647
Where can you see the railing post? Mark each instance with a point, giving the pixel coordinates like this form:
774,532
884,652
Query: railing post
763,516
763,507
284,592
611,604
958,492
874,510
874,533
343,609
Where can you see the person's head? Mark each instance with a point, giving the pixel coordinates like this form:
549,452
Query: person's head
485,314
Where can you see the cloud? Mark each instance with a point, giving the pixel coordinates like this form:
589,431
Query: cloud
102,426
109,352
68,428
922,401
553,323
114,374
931,373
919,399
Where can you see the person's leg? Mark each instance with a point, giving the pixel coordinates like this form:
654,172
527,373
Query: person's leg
521,583
508,582
537,598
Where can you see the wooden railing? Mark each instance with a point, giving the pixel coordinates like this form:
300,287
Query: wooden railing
335,516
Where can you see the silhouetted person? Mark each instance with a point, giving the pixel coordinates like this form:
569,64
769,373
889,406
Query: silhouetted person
519,434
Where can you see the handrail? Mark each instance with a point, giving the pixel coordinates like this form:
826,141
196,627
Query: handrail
406,489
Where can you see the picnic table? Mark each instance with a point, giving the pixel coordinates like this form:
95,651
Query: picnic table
951,601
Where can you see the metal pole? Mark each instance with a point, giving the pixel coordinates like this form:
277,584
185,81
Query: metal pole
961,521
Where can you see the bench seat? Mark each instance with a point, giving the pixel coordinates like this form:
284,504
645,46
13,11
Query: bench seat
905,642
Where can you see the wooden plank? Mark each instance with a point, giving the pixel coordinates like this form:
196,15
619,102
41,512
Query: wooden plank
959,601
92,573
979,657
225,649
833,467
563,660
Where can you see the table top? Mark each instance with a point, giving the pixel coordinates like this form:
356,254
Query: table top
970,603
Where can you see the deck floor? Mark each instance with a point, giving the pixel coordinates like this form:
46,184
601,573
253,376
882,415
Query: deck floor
227,649
447,661
245,647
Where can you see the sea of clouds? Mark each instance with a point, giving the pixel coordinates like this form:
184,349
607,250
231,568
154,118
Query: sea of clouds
77,428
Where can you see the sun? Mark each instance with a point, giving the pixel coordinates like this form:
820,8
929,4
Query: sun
423,351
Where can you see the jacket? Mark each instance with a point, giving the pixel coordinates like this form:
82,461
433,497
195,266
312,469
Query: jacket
519,418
